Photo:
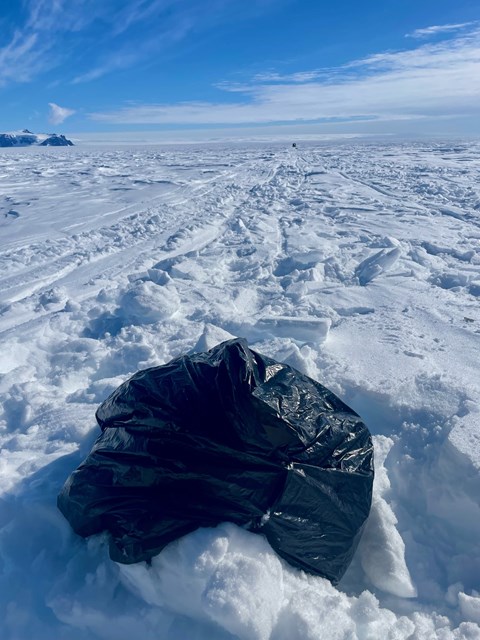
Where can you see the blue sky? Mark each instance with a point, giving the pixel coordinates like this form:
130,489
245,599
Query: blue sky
380,66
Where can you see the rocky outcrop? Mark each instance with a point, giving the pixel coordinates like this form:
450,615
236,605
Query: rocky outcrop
56,140
26,138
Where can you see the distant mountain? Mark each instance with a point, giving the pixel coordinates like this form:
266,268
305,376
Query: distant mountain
26,138
56,140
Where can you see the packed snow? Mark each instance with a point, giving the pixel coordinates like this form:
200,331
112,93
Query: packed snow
357,262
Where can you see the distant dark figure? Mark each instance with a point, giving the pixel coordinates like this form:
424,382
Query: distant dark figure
294,144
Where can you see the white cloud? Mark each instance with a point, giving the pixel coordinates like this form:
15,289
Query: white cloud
54,31
19,59
112,63
300,76
165,22
427,32
435,80
59,114
33,47
127,56
138,11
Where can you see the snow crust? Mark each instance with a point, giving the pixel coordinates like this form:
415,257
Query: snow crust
357,263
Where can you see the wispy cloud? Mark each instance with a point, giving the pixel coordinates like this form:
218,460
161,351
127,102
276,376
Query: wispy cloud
34,46
59,114
19,59
273,77
126,55
53,31
163,24
126,33
137,12
299,76
428,32
434,80
121,60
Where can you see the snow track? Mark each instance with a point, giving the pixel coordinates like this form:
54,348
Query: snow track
357,264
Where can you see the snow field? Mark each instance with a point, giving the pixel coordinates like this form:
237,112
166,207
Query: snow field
358,264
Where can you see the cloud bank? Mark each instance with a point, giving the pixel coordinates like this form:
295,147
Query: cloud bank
431,80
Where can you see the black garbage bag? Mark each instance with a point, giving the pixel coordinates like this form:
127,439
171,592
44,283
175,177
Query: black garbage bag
227,435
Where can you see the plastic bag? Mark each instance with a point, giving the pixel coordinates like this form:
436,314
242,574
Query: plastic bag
227,435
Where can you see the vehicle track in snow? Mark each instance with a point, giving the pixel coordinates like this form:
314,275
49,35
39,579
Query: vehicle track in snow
156,225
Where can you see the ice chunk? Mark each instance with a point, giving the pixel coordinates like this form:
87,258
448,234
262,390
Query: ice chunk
146,303
381,549
234,580
465,437
211,336
304,329
377,264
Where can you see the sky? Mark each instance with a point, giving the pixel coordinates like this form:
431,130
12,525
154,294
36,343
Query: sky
125,68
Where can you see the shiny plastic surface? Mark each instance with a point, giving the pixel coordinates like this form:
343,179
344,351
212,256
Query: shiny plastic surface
227,435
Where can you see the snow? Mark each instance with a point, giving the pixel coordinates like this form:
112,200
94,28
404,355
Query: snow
356,262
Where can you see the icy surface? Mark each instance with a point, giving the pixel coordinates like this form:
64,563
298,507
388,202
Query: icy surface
358,264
